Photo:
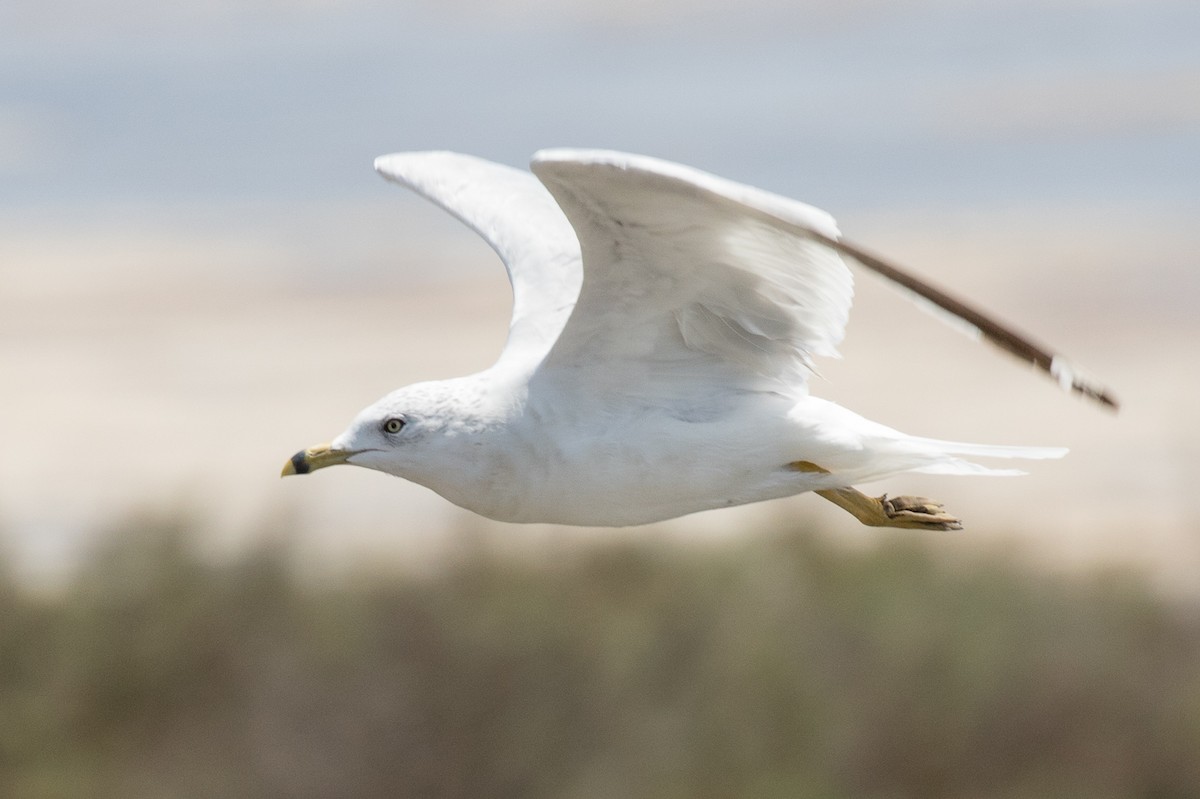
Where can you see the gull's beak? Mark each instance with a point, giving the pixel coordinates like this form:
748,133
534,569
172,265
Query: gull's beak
313,458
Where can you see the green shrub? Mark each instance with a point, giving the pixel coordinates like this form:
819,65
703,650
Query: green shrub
780,666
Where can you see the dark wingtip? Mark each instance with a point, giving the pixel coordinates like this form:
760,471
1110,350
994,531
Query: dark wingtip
1099,394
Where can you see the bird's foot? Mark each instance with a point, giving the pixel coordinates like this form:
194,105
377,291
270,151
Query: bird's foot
911,513
918,513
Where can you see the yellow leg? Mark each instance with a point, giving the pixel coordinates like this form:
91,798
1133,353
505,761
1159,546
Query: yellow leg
913,513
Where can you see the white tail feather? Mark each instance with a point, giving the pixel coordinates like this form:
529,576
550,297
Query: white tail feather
988,450
950,464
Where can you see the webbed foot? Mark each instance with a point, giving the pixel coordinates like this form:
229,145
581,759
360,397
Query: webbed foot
918,513
911,513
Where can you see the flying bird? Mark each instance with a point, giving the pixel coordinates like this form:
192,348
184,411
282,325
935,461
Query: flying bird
664,328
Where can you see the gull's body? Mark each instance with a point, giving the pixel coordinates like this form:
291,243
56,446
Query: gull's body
664,327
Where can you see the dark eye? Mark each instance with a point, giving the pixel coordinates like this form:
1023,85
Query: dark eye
393,425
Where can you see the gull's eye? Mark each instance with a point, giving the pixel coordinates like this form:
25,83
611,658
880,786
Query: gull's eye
393,426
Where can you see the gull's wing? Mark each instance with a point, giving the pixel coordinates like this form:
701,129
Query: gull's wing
515,214
693,281
707,277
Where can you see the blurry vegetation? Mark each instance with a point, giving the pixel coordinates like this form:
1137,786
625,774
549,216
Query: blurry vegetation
781,666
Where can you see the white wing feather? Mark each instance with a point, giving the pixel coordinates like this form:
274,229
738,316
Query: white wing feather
513,212
687,275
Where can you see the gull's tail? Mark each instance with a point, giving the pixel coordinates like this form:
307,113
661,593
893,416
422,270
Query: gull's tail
946,457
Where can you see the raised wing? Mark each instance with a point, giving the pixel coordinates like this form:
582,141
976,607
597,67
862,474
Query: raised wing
687,270
692,281
515,214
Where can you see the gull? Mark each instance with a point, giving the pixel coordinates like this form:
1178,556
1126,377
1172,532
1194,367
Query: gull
665,323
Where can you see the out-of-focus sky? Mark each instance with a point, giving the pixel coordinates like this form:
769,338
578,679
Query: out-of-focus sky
199,272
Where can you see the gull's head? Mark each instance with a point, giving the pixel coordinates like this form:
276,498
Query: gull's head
408,433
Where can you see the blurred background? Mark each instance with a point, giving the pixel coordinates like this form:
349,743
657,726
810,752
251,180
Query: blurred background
200,274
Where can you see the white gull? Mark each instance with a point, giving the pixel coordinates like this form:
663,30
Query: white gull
664,327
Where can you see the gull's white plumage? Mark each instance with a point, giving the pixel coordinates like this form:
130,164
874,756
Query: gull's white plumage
664,325
515,215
